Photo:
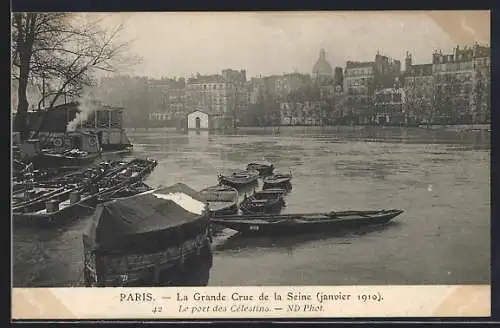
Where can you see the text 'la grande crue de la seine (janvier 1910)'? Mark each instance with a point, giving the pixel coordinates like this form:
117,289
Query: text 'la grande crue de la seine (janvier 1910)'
200,303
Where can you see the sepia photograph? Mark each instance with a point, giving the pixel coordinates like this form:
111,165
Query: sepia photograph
220,149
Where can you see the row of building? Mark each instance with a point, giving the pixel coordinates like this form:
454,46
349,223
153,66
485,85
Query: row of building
451,88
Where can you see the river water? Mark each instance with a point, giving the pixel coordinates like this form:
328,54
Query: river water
441,179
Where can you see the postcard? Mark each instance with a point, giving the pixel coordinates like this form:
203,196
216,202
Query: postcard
221,165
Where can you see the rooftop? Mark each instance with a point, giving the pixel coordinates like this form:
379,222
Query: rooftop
206,79
356,64
422,69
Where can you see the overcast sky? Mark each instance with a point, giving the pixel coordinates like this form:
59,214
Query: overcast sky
181,44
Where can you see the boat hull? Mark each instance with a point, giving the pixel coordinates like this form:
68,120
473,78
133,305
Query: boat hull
222,199
195,271
238,183
29,217
230,209
285,184
58,218
127,191
39,203
116,147
190,269
292,226
50,160
270,206
264,170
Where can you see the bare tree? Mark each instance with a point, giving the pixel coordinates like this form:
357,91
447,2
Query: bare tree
65,49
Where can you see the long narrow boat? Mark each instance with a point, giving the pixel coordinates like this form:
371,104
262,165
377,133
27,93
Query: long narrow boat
125,191
68,158
305,223
221,199
58,212
150,239
238,178
67,176
127,173
264,201
79,198
35,197
53,173
263,167
74,203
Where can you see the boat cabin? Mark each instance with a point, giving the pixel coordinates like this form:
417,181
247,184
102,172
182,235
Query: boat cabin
104,121
29,148
76,140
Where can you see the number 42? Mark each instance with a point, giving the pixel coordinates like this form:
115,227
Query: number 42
157,309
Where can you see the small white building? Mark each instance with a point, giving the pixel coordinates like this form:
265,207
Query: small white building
198,120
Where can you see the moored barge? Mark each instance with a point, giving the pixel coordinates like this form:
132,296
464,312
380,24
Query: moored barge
150,239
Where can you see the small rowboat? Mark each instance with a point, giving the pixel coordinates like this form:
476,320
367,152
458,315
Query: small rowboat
74,158
263,167
277,180
305,223
87,175
238,178
264,201
107,181
35,198
221,199
58,211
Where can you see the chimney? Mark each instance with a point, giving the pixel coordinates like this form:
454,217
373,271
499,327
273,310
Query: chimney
457,50
408,61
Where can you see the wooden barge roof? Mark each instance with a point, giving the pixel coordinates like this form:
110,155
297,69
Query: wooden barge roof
161,215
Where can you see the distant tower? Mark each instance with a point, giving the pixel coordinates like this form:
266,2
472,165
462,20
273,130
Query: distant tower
322,70
408,61
338,76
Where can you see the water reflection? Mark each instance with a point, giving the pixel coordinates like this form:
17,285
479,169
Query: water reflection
198,276
198,137
377,169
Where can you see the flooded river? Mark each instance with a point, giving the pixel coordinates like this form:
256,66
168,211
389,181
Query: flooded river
440,178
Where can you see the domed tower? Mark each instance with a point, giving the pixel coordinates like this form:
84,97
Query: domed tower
322,70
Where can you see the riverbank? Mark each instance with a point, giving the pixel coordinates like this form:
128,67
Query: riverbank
281,128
